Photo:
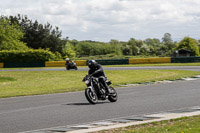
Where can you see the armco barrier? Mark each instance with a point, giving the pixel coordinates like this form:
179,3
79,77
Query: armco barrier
23,64
54,63
62,63
185,59
149,60
113,62
1,65
81,62
103,62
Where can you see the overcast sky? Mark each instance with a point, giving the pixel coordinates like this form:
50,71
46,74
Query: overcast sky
103,20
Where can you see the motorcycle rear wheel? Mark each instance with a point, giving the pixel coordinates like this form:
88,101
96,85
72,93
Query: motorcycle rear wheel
67,68
91,96
113,97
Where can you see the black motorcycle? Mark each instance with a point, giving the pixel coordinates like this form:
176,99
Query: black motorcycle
71,65
96,91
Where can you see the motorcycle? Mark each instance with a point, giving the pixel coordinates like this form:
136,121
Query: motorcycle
71,65
96,91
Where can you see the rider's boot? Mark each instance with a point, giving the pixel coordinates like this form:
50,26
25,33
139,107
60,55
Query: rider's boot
108,89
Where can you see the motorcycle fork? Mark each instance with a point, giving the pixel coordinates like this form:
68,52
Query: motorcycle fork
99,91
92,87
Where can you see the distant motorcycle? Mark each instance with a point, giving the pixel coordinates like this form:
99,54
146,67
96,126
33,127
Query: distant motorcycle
71,65
96,91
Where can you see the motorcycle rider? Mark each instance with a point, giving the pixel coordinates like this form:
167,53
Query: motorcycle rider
67,62
96,70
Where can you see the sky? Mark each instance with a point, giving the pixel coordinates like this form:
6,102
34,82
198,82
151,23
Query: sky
103,20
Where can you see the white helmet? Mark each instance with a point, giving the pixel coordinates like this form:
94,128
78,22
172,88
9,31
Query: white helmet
67,59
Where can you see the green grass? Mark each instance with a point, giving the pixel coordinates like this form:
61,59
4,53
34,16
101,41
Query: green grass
5,79
180,125
23,83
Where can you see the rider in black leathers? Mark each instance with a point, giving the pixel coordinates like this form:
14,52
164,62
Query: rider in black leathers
96,70
67,63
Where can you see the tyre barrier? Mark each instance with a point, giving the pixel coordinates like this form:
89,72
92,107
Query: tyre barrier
54,63
1,65
185,59
62,63
149,60
113,61
103,62
23,64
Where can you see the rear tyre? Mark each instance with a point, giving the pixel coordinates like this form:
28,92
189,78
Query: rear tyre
67,67
113,97
90,96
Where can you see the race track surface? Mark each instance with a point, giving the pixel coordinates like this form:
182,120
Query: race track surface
192,68
46,111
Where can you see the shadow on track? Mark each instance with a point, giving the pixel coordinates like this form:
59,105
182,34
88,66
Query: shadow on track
80,104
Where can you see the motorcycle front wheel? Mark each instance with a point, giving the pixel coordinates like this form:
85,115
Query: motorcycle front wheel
113,97
91,96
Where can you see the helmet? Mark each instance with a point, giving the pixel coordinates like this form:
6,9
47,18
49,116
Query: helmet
91,63
67,59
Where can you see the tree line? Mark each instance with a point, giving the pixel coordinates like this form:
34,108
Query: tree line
21,33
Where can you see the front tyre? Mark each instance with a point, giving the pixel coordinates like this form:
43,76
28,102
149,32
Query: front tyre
113,97
91,96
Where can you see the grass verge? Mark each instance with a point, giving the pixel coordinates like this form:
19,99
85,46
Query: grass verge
6,79
48,82
180,125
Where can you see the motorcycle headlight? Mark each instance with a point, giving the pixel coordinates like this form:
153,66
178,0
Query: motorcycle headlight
87,81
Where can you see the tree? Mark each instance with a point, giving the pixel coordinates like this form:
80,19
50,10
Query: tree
189,44
38,35
115,47
198,43
168,45
167,38
144,50
10,36
126,50
83,48
68,51
133,45
154,45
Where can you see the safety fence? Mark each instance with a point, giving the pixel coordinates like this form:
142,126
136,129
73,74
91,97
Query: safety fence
1,65
23,64
62,63
149,60
185,59
103,62
113,61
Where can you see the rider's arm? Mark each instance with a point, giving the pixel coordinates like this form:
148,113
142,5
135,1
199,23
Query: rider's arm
99,69
90,72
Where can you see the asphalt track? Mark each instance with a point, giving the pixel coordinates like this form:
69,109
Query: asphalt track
192,68
46,111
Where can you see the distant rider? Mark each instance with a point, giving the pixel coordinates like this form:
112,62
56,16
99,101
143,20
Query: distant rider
67,62
96,70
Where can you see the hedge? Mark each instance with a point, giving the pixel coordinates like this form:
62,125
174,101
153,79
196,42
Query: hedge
26,56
